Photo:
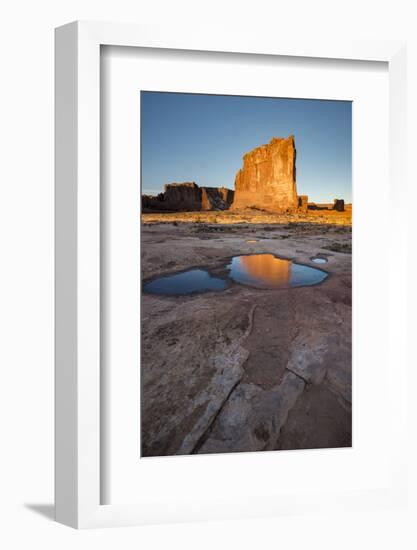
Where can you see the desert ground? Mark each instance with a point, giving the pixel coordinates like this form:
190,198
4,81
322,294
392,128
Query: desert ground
246,369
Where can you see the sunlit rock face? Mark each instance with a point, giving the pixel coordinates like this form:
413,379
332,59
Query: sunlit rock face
267,179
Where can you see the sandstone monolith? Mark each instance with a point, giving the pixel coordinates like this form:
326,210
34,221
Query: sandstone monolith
267,180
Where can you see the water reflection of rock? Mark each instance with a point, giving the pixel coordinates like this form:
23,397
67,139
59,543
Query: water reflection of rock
267,268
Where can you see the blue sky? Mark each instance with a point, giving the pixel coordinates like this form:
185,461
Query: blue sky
202,138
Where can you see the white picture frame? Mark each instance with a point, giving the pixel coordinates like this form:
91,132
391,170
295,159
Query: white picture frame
77,242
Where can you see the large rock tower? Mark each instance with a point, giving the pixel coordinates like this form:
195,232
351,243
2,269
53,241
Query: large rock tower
267,180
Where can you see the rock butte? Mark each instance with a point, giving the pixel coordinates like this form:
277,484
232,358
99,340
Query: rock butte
267,179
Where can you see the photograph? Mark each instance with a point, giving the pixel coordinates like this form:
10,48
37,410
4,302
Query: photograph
246,273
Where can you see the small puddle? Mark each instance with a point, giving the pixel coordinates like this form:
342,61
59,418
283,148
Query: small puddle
264,271
188,282
318,260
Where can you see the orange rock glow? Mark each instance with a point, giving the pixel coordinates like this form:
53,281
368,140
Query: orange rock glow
266,267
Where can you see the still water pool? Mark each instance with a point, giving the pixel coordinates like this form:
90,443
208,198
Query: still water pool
268,271
319,260
264,271
187,282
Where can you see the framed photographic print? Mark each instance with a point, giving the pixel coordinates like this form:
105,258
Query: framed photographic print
223,333
241,351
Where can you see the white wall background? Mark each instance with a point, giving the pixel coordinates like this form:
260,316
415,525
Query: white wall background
26,267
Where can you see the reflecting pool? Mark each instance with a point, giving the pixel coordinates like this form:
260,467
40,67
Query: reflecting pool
268,271
187,282
319,260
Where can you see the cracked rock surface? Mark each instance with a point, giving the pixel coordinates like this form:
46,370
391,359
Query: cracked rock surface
245,369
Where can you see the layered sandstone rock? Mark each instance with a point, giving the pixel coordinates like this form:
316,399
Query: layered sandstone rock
267,180
188,197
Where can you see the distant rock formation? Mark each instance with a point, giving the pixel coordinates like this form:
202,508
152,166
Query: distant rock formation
320,206
188,197
151,202
182,196
339,205
267,180
302,203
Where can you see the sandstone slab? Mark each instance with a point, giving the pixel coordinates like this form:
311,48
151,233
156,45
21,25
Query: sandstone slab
214,366
193,357
316,421
252,418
